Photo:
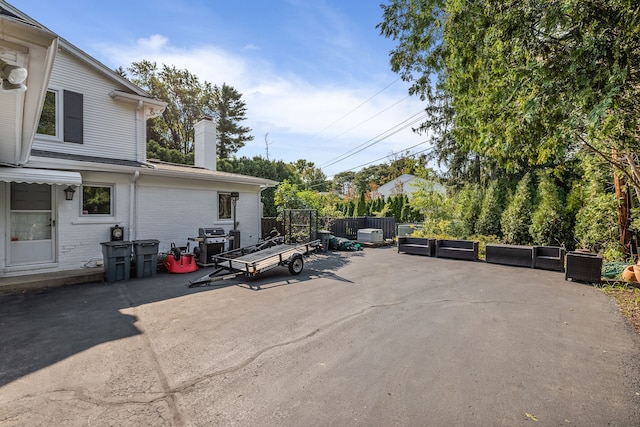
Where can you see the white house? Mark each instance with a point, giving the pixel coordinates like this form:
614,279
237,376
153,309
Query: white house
405,184
74,124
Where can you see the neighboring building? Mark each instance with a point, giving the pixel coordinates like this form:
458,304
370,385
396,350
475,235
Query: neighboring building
89,144
405,184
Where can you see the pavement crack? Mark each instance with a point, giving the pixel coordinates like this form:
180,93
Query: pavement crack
168,393
194,382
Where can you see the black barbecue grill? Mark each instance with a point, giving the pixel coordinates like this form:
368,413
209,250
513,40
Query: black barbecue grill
211,242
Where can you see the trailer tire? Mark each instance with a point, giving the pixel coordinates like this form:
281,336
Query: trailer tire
296,264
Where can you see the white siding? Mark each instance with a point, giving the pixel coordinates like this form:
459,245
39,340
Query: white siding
8,125
171,211
79,236
3,225
110,127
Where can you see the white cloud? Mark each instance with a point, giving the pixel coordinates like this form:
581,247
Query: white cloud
153,43
304,119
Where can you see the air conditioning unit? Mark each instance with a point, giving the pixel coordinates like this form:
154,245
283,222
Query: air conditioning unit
370,235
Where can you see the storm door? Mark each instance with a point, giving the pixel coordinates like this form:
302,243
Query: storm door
31,222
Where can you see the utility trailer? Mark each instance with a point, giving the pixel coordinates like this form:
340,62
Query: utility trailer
250,261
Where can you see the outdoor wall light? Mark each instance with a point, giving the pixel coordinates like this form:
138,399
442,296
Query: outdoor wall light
13,77
13,73
9,87
68,193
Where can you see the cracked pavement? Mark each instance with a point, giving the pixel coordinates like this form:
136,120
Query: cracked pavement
372,338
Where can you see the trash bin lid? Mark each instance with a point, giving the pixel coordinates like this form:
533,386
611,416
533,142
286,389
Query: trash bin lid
117,243
147,242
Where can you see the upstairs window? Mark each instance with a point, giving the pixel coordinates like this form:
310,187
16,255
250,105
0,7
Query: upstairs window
48,118
63,118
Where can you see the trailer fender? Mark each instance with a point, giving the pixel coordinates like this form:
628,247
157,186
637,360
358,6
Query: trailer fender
296,264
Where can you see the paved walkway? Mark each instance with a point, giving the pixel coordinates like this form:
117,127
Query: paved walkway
372,338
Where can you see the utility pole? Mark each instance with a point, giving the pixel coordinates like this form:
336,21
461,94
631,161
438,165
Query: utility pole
266,142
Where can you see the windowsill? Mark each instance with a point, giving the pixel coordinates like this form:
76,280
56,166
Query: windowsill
47,138
96,220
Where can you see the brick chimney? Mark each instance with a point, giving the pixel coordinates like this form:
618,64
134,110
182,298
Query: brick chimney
205,143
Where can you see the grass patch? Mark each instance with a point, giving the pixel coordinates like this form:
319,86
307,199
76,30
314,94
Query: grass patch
628,298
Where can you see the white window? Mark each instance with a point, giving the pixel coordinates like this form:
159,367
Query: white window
97,200
62,116
48,124
224,206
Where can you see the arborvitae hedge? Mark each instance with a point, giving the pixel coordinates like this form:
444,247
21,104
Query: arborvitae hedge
488,223
516,218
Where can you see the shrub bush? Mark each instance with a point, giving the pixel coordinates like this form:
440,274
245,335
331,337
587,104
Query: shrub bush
549,223
516,218
470,203
488,222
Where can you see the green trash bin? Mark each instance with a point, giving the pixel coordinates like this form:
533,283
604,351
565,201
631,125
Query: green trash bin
146,257
117,260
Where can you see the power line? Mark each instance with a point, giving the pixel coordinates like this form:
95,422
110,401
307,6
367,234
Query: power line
319,183
393,154
372,117
350,112
379,138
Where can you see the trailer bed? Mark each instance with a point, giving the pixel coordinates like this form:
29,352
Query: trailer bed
256,262
253,260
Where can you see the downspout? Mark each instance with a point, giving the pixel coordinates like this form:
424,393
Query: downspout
136,175
138,139
132,199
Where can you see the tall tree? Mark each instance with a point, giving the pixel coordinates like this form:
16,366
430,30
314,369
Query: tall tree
276,170
188,100
529,81
230,111
312,177
516,218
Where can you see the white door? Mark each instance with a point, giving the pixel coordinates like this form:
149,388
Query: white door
31,222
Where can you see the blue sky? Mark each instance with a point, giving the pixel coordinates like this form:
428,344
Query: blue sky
314,74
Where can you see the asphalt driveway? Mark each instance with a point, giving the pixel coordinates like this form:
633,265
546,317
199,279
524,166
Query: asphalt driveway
371,338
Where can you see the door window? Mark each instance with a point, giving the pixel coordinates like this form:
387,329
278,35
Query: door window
30,212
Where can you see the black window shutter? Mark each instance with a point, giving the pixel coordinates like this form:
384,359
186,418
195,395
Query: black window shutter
73,117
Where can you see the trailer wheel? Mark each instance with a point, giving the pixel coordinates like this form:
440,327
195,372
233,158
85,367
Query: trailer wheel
296,264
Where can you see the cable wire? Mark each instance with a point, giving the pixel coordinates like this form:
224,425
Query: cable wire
379,138
350,112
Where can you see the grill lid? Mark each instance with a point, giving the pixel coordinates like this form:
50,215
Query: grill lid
211,232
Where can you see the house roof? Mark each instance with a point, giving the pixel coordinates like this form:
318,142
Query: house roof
407,181
75,162
82,158
160,168
404,178
9,10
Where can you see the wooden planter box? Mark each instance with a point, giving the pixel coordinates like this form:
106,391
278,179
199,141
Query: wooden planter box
520,256
457,249
417,245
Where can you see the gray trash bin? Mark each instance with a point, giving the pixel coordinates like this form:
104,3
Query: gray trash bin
146,257
117,260
324,239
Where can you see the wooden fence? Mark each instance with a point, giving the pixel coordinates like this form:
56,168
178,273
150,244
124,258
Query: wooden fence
340,227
